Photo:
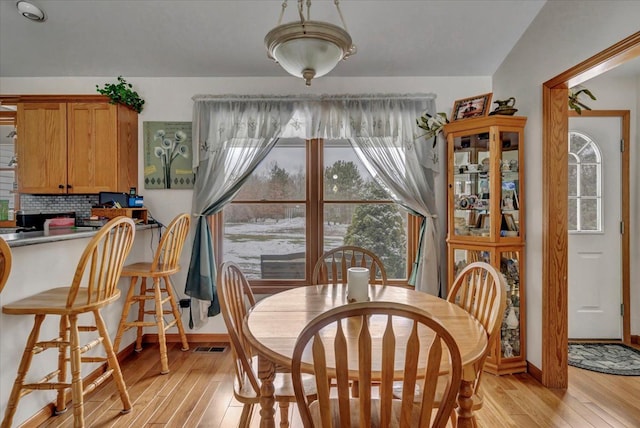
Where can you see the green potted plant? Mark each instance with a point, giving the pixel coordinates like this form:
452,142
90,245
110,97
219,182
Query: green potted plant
434,125
575,103
122,93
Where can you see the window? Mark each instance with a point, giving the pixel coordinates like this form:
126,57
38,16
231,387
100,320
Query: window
305,198
9,198
585,184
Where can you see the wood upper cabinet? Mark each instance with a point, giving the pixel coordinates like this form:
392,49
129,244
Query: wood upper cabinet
76,145
42,147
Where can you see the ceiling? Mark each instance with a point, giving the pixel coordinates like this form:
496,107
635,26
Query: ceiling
188,38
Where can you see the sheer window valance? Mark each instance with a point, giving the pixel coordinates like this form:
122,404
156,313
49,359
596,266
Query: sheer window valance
218,118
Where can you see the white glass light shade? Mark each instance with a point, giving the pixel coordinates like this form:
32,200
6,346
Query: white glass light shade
298,55
308,50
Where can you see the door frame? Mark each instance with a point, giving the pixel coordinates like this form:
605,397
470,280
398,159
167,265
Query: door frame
625,241
555,131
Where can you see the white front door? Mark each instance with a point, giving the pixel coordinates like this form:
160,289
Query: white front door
595,267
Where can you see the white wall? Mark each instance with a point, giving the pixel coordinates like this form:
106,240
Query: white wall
562,35
170,99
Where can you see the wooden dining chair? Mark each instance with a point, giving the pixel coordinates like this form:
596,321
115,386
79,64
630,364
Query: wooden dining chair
93,287
236,298
339,344
165,263
332,267
480,290
5,262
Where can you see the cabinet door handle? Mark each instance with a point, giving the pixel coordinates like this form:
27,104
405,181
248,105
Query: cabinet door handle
60,186
69,186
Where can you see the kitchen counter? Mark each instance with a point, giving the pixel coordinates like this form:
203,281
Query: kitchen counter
20,239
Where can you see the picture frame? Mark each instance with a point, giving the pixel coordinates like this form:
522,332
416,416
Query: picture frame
468,108
509,222
483,221
167,155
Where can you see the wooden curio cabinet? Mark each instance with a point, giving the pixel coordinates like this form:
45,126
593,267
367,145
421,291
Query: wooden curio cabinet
75,145
485,218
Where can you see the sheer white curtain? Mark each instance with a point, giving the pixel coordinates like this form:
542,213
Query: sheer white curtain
385,137
232,134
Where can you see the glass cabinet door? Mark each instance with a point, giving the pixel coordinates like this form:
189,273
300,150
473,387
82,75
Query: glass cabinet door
464,256
471,184
510,184
510,346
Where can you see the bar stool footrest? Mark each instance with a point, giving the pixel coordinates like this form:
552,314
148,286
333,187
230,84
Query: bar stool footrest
139,324
143,297
96,383
170,324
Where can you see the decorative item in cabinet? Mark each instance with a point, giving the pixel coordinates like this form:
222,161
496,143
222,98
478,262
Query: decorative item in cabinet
485,218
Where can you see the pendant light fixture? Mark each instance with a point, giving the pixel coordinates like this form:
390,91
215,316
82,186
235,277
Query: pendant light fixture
309,48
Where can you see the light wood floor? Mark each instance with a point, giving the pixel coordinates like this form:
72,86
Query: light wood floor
198,393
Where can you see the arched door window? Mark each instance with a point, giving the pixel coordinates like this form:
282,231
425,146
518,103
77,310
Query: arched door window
585,184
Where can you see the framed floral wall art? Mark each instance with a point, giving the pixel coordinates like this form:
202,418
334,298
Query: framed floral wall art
167,155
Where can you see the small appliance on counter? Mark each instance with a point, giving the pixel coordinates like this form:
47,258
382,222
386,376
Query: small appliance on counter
35,221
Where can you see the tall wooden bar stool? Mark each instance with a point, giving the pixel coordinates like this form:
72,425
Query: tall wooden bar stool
94,286
164,264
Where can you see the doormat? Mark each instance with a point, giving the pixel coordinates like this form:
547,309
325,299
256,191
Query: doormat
609,358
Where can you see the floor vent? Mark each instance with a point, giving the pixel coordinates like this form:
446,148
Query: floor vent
210,349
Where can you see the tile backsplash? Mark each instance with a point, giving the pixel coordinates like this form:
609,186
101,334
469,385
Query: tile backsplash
81,204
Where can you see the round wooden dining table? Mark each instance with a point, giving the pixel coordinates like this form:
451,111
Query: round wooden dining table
274,323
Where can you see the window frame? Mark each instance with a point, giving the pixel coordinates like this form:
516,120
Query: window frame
578,196
314,206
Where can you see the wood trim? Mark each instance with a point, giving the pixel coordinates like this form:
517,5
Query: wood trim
9,99
58,98
635,339
554,204
191,338
8,117
554,240
601,62
534,372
